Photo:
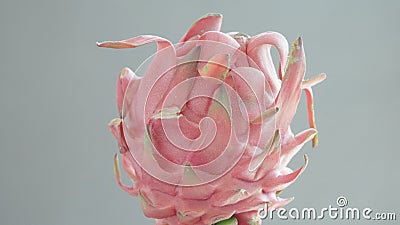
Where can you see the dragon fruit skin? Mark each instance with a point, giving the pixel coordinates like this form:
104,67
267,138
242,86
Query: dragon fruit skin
247,112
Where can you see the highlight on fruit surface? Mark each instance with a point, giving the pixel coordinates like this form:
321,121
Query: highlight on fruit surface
204,132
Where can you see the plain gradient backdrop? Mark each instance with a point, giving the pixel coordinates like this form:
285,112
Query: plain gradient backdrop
57,96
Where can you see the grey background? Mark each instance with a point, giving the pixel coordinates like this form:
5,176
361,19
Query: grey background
57,96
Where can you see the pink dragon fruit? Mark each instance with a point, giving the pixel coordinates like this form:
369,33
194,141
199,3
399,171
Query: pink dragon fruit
205,133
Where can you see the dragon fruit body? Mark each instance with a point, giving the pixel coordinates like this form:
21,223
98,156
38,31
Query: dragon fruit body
205,133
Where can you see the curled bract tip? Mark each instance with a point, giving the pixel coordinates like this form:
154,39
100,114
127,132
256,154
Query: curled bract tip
117,171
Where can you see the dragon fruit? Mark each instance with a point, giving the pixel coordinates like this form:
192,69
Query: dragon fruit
205,133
